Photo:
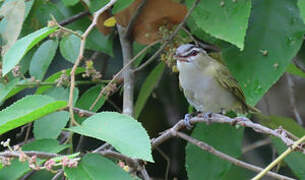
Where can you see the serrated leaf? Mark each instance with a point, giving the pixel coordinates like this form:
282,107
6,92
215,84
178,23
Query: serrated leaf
69,47
27,110
22,46
17,169
42,58
121,131
50,126
70,2
13,15
55,76
220,137
275,25
62,94
292,69
225,19
120,5
5,89
95,167
147,88
301,5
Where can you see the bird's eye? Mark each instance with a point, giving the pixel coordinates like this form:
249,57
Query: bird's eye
194,53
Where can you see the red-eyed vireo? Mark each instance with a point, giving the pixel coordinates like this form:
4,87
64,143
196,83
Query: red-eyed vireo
207,84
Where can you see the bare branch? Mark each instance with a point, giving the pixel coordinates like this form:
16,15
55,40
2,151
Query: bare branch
74,18
42,155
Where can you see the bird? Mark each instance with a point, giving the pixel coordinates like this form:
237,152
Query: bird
207,83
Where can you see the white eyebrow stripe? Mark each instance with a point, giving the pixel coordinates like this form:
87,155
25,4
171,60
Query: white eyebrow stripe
194,48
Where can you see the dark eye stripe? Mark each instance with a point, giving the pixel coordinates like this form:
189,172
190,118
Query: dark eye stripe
191,51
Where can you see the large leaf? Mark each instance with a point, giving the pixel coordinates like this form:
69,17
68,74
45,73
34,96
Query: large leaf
17,169
274,25
96,167
69,47
55,76
301,5
42,58
12,13
22,46
203,164
27,110
123,132
50,126
5,89
147,88
62,94
225,19
70,2
96,41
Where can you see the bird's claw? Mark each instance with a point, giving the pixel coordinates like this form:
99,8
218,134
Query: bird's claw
187,122
208,116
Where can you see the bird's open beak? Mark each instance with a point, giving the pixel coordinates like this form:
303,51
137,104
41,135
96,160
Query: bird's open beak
181,59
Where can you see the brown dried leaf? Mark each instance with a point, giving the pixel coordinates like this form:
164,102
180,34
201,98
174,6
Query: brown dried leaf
156,13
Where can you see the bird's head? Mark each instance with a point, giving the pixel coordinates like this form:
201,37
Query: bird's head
187,55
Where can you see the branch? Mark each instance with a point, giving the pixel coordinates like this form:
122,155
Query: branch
74,18
212,150
81,54
170,38
295,146
42,155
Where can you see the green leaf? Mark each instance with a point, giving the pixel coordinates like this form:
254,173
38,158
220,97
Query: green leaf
301,5
95,5
50,126
69,47
223,19
120,5
70,2
95,167
148,86
292,69
62,94
295,160
10,26
17,169
137,47
55,77
22,46
5,89
203,164
42,58
96,41
27,110
275,25
123,132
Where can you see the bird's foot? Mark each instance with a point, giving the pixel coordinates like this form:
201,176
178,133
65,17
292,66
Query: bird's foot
187,122
208,116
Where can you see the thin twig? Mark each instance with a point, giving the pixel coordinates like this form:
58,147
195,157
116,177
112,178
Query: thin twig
116,76
299,65
291,94
212,150
58,175
279,159
74,18
81,54
42,155
27,134
167,162
170,38
38,84
190,35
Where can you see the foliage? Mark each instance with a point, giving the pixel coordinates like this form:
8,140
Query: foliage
41,42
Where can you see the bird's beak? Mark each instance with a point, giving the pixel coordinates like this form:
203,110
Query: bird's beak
181,59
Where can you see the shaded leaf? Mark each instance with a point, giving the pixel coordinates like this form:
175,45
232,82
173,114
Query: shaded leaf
27,110
274,26
98,42
301,5
70,2
62,94
55,77
22,46
121,131
225,138
50,126
42,58
94,167
226,19
147,88
5,89
10,26
69,47
120,5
